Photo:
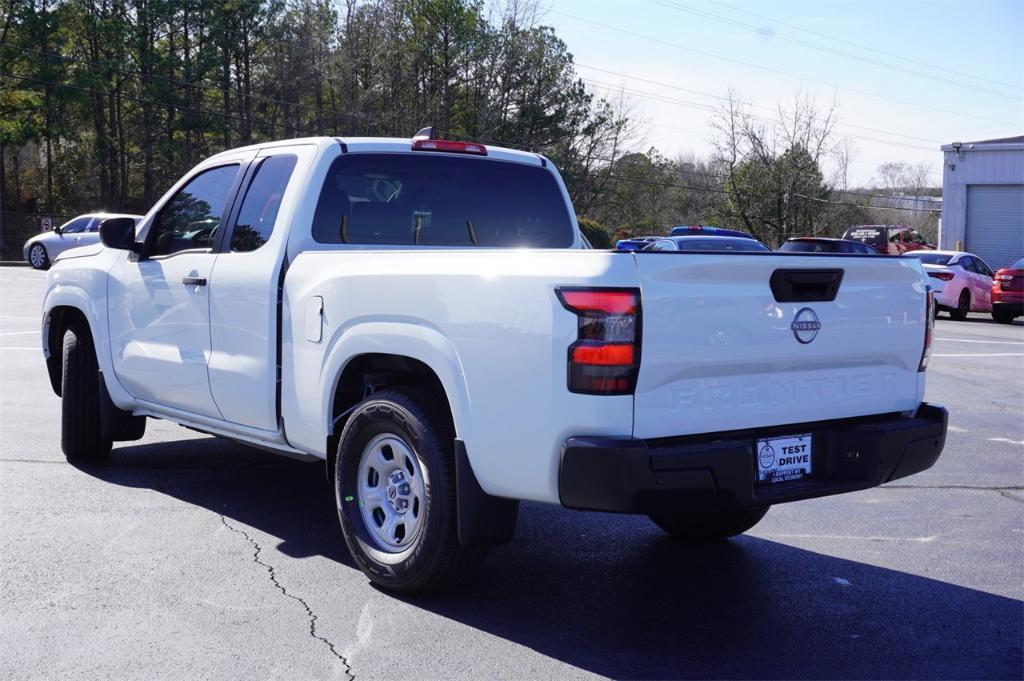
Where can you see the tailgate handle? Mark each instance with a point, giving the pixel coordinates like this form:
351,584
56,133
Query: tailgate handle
806,285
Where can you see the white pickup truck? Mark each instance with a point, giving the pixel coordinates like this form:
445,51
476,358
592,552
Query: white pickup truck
425,317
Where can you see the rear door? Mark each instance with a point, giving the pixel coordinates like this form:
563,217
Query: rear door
723,349
244,310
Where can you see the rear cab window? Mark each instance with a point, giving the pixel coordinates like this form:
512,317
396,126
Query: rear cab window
424,199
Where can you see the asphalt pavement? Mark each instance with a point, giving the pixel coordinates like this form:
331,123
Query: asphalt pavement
193,557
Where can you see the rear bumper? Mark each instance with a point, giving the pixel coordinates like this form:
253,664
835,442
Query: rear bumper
718,471
1014,305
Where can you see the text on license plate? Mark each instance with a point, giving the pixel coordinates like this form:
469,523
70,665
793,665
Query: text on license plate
781,459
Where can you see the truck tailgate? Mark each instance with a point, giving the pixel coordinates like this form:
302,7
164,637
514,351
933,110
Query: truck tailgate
721,351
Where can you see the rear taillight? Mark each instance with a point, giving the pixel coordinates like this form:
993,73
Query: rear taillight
929,328
605,358
450,147
944,276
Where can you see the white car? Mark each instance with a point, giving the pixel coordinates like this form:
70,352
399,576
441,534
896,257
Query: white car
42,249
420,316
965,281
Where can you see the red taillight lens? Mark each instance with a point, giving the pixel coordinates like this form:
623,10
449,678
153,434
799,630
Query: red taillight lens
450,147
944,276
605,358
929,328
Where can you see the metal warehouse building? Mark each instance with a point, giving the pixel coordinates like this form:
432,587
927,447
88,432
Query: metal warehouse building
983,199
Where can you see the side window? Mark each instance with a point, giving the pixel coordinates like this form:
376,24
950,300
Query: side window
665,246
76,226
983,268
262,201
966,263
190,218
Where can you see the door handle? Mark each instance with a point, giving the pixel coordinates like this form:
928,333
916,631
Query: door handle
193,281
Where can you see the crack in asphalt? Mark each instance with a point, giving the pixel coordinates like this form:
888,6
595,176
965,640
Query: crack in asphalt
257,549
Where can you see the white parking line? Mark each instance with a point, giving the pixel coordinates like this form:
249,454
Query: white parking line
4,347
18,333
984,354
845,537
1003,439
964,340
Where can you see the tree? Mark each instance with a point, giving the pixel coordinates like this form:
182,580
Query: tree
774,180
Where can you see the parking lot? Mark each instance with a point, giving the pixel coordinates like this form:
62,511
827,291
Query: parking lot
193,557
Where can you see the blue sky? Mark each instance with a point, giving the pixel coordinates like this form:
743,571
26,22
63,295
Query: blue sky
958,73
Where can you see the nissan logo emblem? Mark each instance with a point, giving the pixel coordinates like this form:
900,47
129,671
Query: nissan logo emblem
805,325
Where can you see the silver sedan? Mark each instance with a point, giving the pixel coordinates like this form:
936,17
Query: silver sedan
43,249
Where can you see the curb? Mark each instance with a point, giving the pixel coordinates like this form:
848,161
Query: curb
13,263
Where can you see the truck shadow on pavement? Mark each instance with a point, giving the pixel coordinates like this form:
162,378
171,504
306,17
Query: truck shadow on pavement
614,596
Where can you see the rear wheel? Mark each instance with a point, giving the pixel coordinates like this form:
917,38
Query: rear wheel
396,495
37,257
81,438
963,306
1002,316
709,526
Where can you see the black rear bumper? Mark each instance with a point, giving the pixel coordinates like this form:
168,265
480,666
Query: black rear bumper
718,471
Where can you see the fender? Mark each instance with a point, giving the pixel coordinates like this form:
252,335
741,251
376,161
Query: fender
406,338
93,308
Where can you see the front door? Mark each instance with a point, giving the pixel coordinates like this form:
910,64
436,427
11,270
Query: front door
159,303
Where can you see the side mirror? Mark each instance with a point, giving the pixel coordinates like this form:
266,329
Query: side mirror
57,229
118,233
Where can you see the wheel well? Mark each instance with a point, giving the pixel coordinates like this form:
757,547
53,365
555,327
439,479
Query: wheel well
60,318
367,373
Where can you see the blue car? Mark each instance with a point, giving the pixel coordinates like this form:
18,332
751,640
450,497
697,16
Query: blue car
707,230
636,243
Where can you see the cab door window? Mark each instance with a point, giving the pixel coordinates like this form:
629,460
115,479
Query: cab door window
190,218
262,202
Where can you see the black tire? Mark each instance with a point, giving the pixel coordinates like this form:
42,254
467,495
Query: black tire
434,559
963,306
44,263
1002,316
709,526
81,438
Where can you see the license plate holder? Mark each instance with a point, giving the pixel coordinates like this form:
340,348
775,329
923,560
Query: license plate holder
784,458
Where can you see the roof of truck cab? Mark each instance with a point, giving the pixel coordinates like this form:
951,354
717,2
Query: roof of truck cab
388,145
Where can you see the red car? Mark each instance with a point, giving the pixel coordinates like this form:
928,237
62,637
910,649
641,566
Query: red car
1008,293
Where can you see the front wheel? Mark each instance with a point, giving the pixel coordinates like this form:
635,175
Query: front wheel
81,436
37,257
396,494
963,306
709,526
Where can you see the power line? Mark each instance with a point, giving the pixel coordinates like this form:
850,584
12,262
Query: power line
713,55
118,95
864,47
670,100
680,7
757,106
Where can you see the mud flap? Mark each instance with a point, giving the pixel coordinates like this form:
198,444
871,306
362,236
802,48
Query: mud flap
484,520
118,425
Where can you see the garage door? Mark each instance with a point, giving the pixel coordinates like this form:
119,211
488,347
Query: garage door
995,222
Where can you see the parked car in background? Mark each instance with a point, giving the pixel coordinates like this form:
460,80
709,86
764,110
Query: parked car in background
889,239
707,243
966,281
814,244
707,230
634,244
1008,293
42,249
